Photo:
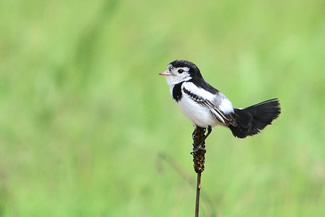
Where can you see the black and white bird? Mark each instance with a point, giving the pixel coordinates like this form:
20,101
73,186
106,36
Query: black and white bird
206,107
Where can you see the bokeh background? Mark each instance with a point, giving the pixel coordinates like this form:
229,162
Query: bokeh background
84,115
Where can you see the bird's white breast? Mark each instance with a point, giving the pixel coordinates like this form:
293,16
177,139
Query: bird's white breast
198,114
203,115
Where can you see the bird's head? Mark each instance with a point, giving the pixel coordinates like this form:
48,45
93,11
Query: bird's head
180,71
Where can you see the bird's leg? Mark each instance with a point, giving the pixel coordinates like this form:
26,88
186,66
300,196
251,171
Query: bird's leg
201,145
194,132
206,136
209,131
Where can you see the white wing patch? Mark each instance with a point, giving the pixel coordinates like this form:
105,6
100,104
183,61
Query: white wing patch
199,91
219,99
224,104
218,104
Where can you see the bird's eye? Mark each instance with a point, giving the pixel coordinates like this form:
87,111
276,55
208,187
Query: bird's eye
180,71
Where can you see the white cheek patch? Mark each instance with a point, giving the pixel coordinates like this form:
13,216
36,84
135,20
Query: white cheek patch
176,78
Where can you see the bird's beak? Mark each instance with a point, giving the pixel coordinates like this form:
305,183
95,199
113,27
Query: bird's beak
165,73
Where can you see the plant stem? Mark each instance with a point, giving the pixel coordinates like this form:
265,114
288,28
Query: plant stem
199,160
198,188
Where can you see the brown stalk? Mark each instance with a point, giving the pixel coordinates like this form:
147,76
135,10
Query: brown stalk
199,160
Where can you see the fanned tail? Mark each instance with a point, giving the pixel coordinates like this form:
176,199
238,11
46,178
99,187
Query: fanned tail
253,119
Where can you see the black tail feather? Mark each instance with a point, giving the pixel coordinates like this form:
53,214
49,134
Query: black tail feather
253,119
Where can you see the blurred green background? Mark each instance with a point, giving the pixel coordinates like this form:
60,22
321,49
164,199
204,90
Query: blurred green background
84,114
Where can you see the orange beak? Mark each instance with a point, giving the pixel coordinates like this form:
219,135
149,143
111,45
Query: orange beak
165,73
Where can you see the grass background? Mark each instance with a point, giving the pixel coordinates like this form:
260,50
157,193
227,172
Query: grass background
84,115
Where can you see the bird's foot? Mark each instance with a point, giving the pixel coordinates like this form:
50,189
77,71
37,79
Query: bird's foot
197,149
